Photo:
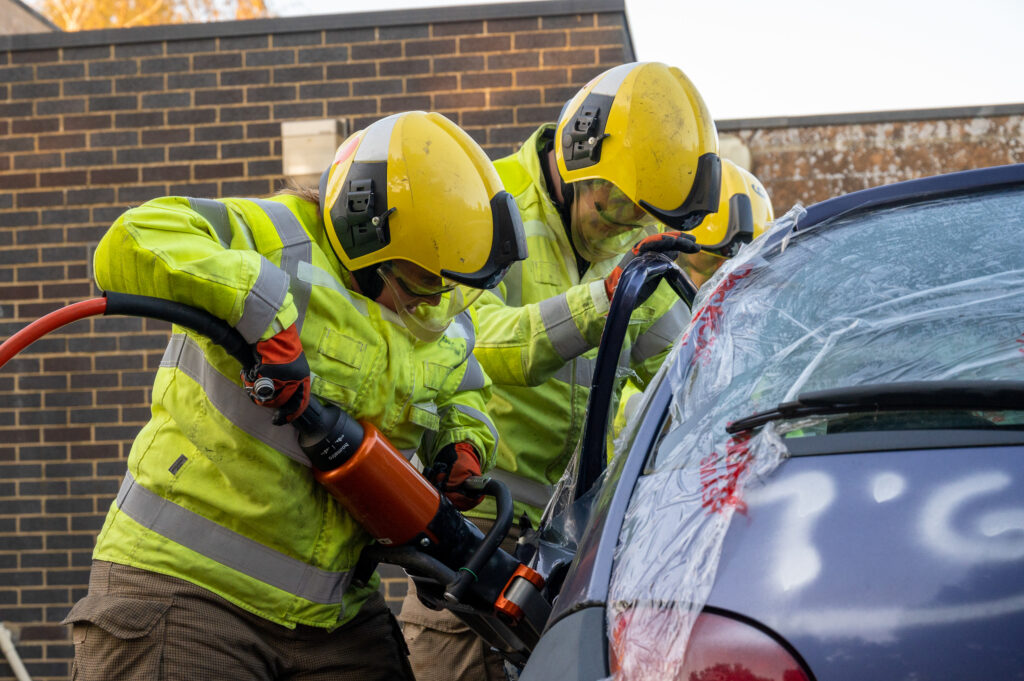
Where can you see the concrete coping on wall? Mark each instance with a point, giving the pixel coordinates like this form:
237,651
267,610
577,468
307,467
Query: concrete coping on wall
870,117
321,22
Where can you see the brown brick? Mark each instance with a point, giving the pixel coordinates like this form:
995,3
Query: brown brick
64,178
34,125
47,142
346,71
542,77
422,48
21,181
376,51
460,100
537,114
377,87
391,105
34,56
431,84
39,199
277,93
536,41
166,173
114,176
472,81
218,170
601,36
513,25
167,136
568,57
35,161
91,122
513,60
514,97
404,67
459,64
490,43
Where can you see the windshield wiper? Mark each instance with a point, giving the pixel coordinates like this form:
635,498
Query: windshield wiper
907,396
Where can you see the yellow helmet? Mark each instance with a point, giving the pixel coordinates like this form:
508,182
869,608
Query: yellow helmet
415,187
744,212
643,127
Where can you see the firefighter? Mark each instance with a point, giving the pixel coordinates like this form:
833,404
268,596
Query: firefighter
634,153
221,557
744,211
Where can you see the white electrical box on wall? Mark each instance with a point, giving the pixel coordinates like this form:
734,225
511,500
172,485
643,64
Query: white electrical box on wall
307,147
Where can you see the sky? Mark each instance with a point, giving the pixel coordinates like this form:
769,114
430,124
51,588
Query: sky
805,57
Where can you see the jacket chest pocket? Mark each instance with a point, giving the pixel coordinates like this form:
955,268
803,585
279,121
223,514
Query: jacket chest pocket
547,272
346,362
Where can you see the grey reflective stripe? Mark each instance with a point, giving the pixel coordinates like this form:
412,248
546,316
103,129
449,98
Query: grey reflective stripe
585,368
473,379
265,298
561,327
523,489
228,547
514,285
462,327
216,213
229,398
296,248
662,333
479,416
317,277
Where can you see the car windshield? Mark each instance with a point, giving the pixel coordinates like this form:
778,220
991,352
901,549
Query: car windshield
921,292
928,290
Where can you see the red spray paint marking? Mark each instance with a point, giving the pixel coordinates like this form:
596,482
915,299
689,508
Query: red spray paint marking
706,323
719,482
1021,341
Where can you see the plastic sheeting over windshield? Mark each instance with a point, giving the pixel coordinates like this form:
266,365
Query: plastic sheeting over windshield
928,291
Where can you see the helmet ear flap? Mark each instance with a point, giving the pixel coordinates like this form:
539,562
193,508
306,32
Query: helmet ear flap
371,284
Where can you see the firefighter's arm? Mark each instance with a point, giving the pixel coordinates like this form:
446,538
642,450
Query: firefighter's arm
526,345
166,249
666,320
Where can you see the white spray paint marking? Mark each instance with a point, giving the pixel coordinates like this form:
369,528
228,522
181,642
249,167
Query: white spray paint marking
887,486
807,495
1000,534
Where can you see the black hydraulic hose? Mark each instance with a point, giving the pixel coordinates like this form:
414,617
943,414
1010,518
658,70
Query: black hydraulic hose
456,588
639,271
412,559
200,321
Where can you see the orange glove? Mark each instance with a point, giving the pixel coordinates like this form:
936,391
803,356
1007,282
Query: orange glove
669,243
455,464
280,378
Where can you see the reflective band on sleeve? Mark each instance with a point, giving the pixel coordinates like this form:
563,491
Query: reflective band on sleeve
585,368
479,416
230,399
523,489
263,302
462,327
216,213
318,277
662,333
296,248
473,379
229,548
561,328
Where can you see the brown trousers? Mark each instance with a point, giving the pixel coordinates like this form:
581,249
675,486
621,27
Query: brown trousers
136,624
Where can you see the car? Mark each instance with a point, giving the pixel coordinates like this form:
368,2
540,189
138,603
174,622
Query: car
825,481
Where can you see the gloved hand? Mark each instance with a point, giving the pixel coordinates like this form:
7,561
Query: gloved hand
453,466
669,243
280,378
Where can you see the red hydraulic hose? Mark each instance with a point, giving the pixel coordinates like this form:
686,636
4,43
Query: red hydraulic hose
44,325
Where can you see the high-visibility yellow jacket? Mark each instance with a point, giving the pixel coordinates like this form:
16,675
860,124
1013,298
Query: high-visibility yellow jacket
538,338
215,494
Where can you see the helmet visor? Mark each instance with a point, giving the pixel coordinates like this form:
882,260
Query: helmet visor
425,302
605,222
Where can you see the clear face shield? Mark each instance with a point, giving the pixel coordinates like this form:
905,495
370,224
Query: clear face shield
425,302
605,222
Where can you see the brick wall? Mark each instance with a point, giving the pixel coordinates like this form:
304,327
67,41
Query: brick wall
92,123
812,158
